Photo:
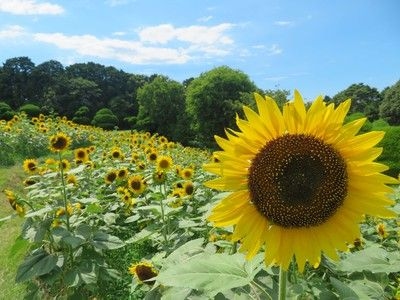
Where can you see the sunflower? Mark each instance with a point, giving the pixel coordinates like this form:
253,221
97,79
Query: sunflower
159,177
164,162
143,271
59,142
186,173
122,173
81,155
188,188
116,153
137,184
301,180
30,165
110,176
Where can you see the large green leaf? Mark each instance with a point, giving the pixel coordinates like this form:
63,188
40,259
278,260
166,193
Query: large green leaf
102,240
210,273
366,289
373,259
38,263
345,293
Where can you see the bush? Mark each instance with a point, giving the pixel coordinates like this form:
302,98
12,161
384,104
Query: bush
391,150
31,110
379,124
105,119
6,112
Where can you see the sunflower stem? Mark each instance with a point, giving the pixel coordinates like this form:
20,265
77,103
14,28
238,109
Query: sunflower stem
164,221
282,283
64,190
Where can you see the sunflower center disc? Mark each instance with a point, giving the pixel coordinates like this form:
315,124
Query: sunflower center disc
297,180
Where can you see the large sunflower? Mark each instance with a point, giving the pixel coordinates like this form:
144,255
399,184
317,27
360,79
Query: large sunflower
301,180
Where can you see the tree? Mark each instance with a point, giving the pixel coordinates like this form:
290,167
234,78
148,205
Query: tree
279,95
46,76
81,116
390,106
105,119
15,81
364,99
162,108
213,99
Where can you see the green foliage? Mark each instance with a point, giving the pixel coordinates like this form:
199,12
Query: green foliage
31,110
162,109
391,150
105,119
6,112
379,124
390,106
81,116
213,99
364,99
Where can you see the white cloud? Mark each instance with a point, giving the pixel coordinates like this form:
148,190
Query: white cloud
284,23
30,7
119,33
13,31
206,35
274,50
205,19
127,51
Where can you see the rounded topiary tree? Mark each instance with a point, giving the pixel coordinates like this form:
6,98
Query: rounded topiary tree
105,119
81,116
31,110
6,112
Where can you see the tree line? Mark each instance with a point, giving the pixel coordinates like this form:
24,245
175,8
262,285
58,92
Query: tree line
190,112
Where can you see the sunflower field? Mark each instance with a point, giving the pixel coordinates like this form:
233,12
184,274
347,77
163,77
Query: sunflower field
299,209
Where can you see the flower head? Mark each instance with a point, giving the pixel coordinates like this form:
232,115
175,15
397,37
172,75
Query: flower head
301,180
59,142
30,165
143,271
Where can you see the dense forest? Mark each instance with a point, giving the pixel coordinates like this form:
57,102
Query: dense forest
190,112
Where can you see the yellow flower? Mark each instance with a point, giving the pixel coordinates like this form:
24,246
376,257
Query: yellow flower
301,180
143,271
30,165
186,173
188,188
59,142
137,184
164,162
110,176
81,155
381,230
71,178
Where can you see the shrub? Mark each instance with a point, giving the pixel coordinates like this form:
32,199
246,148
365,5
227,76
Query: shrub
31,110
6,112
105,119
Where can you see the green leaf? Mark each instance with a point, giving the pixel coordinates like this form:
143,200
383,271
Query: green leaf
209,273
366,289
38,263
345,293
73,241
185,252
84,231
373,259
132,219
72,278
102,240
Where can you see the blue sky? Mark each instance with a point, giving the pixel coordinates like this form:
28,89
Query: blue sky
315,46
